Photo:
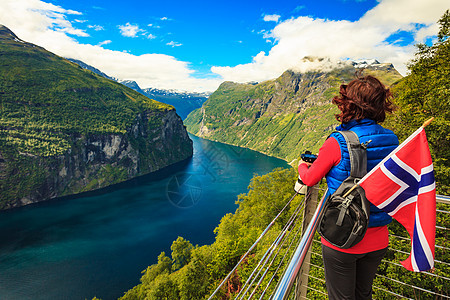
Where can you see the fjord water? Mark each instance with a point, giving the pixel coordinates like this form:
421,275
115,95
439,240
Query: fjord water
97,244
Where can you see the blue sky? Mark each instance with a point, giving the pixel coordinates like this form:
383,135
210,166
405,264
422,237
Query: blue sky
204,33
195,45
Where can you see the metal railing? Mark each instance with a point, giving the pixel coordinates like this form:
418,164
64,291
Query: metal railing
443,199
284,288
292,271
302,266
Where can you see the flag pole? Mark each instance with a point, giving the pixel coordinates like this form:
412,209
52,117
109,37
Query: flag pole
425,124
350,190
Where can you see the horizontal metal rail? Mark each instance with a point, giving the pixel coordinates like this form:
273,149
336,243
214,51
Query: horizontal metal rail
443,199
414,287
392,293
407,253
442,228
409,240
427,273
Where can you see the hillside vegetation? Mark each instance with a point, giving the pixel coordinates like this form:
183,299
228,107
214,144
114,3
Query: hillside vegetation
45,96
57,118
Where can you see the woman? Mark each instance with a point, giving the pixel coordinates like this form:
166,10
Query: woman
363,103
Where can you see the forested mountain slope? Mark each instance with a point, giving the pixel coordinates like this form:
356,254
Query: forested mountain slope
280,117
65,130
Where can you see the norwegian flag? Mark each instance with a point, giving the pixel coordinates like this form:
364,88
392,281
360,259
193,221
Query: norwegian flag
403,186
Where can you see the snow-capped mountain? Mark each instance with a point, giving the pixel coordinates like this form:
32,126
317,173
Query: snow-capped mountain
184,102
172,92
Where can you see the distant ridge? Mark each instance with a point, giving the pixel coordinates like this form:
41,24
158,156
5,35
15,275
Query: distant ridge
184,102
90,68
285,116
7,35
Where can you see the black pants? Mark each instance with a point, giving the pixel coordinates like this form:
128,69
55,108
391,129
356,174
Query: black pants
350,276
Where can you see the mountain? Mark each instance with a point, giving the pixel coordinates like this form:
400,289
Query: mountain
66,130
184,102
132,85
90,68
281,117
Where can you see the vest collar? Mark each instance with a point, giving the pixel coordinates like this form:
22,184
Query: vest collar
353,123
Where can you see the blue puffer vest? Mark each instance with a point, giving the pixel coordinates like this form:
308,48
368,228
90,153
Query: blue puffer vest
383,142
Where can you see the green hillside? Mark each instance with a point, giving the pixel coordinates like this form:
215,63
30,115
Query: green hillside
52,109
41,90
280,117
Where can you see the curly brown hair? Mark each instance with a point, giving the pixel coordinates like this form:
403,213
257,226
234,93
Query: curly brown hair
364,97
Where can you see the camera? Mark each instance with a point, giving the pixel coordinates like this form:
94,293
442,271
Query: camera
300,187
308,157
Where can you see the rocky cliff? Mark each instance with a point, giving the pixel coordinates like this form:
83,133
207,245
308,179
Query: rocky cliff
65,130
281,117
98,160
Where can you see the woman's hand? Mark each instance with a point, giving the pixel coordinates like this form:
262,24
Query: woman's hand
304,162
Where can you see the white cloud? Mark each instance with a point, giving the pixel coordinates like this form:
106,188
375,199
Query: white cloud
271,18
46,25
403,12
422,34
73,31
362,39
174,44
130,30
96,27
104,43
44,16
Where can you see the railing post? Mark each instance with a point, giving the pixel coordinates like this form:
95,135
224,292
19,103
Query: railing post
302,277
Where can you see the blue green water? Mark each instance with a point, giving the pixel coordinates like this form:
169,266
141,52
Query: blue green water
97,244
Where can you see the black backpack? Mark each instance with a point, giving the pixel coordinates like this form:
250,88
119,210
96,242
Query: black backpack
346,213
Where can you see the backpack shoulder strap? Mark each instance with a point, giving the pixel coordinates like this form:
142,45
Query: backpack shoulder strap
358,155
